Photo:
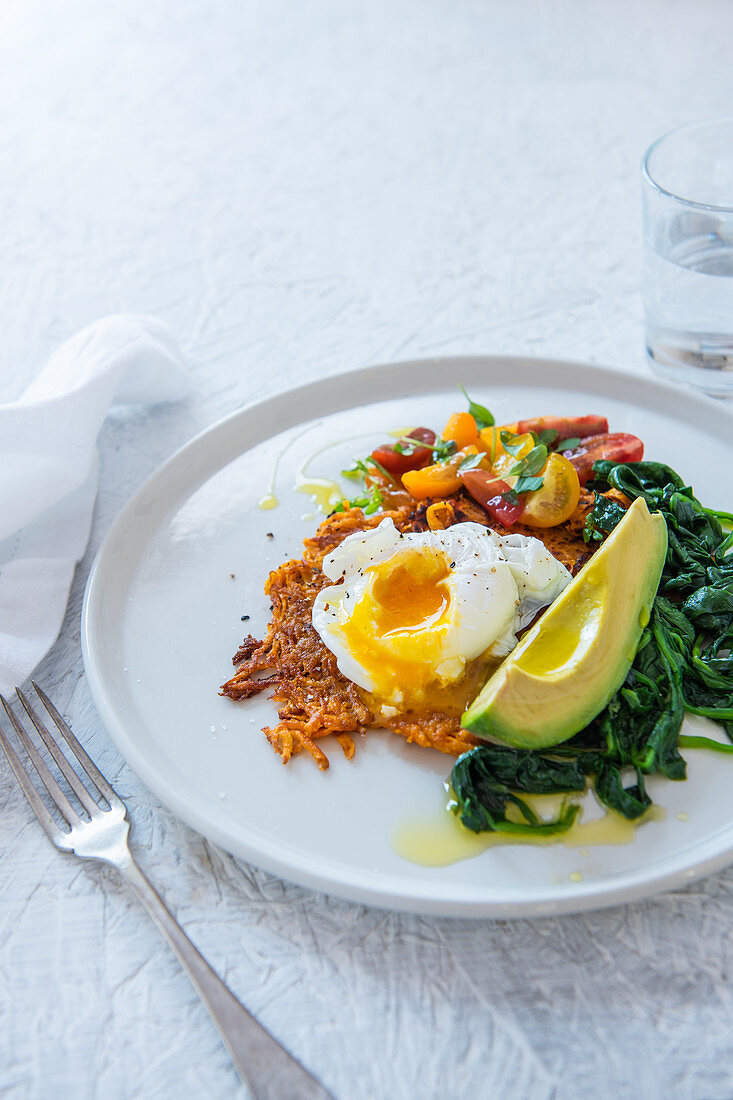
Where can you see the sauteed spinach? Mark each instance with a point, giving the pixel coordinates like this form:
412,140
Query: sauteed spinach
683,663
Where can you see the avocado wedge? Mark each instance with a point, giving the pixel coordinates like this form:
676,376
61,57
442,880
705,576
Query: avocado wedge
571,662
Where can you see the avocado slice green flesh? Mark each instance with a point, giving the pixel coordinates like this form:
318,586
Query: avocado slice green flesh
570,663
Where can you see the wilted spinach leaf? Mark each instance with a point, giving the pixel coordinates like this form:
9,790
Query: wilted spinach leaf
485,782
684,662
602,518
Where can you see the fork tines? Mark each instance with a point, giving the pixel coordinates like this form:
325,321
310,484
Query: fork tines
59,798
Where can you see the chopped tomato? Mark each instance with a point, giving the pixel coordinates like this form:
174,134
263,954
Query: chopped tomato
393,495
432,481
567,427
440,480
488,491
504,462
614,446
398,461
557,498
489,440
423,435
461,428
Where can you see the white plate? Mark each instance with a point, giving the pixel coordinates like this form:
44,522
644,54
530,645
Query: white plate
161,622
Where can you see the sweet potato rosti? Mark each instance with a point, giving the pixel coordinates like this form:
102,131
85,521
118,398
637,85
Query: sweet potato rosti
313,696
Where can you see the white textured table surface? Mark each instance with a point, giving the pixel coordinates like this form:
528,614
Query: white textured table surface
299,187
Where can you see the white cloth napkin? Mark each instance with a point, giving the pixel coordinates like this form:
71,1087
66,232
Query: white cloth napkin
48,471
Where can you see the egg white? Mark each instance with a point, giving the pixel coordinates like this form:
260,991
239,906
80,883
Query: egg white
396,634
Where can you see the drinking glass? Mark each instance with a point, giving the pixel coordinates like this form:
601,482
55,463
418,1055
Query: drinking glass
688,255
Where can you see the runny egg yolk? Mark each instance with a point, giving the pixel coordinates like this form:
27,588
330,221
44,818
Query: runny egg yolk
412,594
397,628
415,618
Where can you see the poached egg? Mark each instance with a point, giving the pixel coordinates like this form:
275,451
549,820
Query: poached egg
407,613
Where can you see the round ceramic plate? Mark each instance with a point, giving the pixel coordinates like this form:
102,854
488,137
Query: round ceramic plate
188,558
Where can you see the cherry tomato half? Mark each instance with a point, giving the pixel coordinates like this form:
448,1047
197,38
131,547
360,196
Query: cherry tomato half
614,446
557,498
567,427
487,490
397,463
440,480
423,435
393,495
461,428
504,462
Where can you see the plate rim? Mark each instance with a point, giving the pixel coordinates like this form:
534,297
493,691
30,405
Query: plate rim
583,896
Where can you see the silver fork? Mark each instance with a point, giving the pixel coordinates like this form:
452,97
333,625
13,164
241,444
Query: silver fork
266,1067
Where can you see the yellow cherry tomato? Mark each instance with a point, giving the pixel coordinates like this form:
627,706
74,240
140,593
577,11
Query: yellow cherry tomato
432,481
441,480
461,428
558,497
489,439
504,462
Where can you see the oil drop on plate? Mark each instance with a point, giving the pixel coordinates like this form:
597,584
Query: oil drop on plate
441,840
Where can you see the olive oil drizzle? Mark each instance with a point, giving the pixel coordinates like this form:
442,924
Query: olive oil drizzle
441,840
324,492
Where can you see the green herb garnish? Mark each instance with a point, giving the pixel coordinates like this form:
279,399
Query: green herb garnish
548,436
531,464
368,501
359,469
551,439
528,484
511,443
408,444
480,413
527,469
470,462
444,449
364,466
378,466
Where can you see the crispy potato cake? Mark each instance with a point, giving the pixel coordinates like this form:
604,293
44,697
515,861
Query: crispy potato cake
314,698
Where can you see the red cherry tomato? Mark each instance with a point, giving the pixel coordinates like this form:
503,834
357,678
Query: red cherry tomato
567,427
488,490
614,446
424,435
398,464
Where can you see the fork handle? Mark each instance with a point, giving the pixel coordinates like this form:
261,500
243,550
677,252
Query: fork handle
266,1067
